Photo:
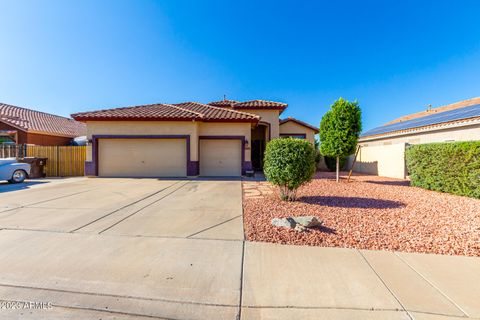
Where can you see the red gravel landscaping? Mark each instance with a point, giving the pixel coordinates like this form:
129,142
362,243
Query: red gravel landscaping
370,213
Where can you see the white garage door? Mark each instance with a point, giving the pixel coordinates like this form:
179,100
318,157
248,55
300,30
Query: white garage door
142,158
220,157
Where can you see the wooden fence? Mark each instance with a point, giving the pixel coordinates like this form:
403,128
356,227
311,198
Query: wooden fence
11,151
63,161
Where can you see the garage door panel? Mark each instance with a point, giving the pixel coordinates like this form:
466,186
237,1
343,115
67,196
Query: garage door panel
220,157
142,157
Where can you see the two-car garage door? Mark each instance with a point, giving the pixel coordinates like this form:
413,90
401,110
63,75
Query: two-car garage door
142,158
167,157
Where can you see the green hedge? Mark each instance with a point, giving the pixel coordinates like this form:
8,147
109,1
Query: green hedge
452,167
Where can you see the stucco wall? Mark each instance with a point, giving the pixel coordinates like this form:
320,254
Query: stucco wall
386,156
291,127
385,161
194,129
269,116
147,128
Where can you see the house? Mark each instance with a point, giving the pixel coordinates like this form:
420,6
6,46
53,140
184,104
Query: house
26,126
221,138
382,149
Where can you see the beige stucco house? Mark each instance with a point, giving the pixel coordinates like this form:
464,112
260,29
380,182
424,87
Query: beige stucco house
222,138
382,149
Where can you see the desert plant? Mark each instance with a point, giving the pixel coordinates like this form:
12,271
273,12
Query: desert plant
340,129
452,167
289,163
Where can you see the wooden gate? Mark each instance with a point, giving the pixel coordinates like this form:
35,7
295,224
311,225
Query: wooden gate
63,161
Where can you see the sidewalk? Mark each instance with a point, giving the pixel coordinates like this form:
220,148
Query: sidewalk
298,282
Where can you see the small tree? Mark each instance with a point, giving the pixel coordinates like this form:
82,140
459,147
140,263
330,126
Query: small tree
339,130
289,163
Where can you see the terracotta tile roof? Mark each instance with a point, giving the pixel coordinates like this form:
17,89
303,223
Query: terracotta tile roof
144,112
261,104
168,112
223,103
315,129
453,106
40,122
211,113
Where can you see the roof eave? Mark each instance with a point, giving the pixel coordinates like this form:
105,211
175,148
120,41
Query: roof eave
280,108
85,119
14,126
300,123
233,120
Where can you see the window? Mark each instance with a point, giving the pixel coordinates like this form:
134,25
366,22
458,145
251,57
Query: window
293,135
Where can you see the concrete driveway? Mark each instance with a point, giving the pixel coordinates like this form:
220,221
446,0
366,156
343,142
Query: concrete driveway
174,249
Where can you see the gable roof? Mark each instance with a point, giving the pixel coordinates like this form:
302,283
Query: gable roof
168,112
459,114
250,105
211,113
223,103
261,104
33,121
299,122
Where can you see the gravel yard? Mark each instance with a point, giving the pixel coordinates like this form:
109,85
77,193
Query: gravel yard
368,213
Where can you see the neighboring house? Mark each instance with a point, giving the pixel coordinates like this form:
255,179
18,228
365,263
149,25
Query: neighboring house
26,126
222,138
382,149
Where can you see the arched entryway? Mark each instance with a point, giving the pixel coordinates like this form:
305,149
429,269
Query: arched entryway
260,137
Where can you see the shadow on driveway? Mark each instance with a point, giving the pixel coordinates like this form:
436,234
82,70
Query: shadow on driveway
351,202
202,178
9,187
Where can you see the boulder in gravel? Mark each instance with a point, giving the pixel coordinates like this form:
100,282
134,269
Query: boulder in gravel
284,222
308,221
300,228
300,224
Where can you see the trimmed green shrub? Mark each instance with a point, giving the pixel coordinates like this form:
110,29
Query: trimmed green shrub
289,163
339,130
452,167
331,163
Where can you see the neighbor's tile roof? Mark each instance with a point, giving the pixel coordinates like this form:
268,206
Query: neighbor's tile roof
315,129
168,112
40,122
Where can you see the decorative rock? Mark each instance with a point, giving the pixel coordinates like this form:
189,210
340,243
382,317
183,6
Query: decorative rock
299,223
284,222
308,221
300,228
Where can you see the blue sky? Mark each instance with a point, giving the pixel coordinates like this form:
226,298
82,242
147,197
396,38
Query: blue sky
394,57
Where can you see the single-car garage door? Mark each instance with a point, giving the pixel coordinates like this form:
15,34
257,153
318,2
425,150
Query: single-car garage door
142,158
220,157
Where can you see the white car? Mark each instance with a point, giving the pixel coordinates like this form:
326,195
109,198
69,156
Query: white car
13,171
